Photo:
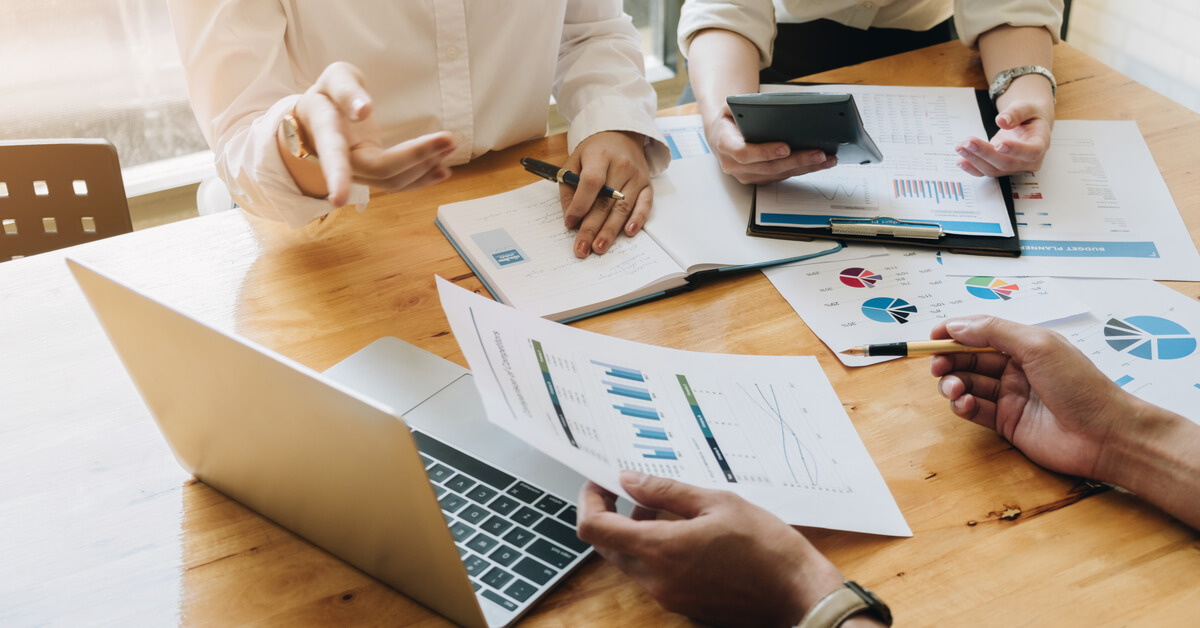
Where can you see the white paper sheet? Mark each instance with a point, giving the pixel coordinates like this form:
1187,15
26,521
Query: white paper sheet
768,428
1142,335
916,128
904,295
1097,208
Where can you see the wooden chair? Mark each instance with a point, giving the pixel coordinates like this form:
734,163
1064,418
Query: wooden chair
57,193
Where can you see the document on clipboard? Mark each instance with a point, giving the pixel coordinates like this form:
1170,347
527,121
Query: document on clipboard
917,195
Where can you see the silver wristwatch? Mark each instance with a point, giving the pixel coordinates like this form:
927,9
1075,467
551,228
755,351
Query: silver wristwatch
1004,79
848,600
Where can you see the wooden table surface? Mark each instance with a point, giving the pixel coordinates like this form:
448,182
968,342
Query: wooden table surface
98,524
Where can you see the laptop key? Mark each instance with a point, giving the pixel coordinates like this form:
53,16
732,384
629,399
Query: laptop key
451,502
497,598
568,516
525,492
474,514
526,516
561,534
439,472
550,504
504,504
519,536
460,483
482,471
461,531
496,525
496,578
438,490
476,585
532,569
481,493
482,543
426,460
551,553
520,590
462,551
475,565
505,555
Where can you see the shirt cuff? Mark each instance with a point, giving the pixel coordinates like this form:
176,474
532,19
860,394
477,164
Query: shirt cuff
614,113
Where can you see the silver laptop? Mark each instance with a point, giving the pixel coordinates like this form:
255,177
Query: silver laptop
443,506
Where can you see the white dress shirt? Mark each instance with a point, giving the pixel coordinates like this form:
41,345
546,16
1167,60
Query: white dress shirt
755,19
481,69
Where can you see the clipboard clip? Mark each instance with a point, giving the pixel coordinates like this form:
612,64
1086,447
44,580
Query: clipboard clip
884,226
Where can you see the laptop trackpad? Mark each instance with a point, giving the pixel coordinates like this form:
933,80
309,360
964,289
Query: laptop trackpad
438,397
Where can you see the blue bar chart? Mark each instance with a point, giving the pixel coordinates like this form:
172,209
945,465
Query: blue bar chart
628,393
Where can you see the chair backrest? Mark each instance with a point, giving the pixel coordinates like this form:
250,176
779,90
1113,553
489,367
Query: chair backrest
57,193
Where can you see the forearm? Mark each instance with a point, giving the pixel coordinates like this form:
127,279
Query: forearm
721,63
1007,47
1158,459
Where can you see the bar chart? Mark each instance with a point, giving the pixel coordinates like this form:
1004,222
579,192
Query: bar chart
637,422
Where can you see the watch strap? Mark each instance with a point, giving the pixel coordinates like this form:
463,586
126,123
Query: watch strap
848,600
296,136
1005,78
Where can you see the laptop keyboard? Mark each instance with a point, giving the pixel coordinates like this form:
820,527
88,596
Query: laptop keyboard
514,538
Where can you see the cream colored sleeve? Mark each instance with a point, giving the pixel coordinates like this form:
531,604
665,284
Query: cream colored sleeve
973,18
600,80
752,19
240,84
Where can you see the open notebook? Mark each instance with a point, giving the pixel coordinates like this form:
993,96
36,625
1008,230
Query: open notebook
518,246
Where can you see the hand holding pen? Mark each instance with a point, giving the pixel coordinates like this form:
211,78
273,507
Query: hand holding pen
609,160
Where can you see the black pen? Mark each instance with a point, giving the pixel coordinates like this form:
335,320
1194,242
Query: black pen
562,175
914,348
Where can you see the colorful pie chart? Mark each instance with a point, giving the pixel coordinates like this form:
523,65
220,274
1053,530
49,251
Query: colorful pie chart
991,288
888,310
860,278
1149,338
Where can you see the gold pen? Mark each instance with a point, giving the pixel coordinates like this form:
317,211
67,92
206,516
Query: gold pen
914,348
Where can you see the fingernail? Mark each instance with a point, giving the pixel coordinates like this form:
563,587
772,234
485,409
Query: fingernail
818,158
1002,148
782,151
944,388
631,228
581,249
601,244
356,107
957,327
961,151
632,478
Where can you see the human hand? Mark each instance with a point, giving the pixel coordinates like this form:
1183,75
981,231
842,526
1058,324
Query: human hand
760,163
616,159
1040,393
1019,145
336,114
727,562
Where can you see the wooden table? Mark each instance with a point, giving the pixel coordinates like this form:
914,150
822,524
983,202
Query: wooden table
99,525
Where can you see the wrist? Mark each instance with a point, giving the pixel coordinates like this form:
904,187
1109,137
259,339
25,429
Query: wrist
810,585
1147,450
1031,88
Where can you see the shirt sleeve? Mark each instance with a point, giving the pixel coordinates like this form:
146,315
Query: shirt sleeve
973,18
600,80
752,19
240,83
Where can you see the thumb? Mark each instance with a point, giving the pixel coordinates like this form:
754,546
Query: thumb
658,493
1016,113
1014,339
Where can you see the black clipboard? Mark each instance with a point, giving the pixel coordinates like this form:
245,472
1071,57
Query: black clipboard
890,231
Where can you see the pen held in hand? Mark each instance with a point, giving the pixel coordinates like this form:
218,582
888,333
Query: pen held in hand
562,175
915,348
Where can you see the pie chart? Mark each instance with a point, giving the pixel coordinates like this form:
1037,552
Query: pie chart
859,278
888,310
1149,338
991,288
